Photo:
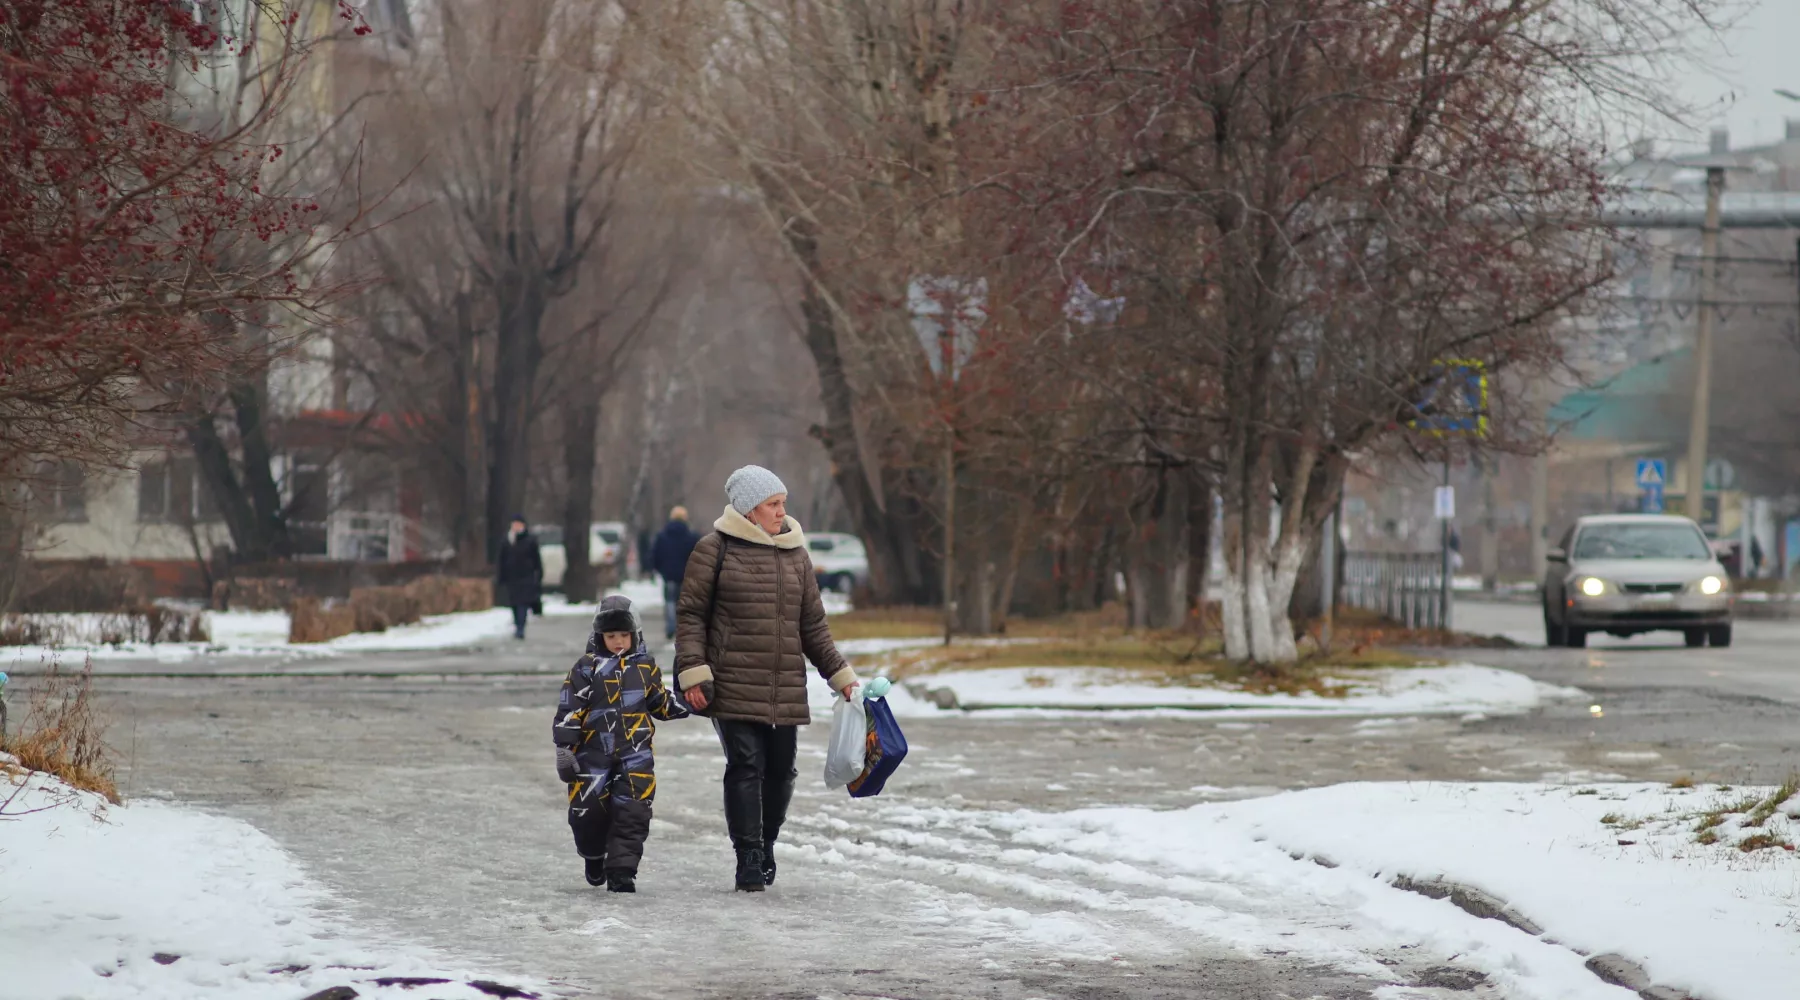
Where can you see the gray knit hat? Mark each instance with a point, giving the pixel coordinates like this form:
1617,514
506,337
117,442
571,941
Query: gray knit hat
749,486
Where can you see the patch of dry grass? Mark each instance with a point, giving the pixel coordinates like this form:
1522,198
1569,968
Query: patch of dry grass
1171,658
64,734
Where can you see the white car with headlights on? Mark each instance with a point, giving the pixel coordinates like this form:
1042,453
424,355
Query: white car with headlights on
1629,573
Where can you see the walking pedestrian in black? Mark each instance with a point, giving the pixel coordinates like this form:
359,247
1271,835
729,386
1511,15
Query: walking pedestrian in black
520,572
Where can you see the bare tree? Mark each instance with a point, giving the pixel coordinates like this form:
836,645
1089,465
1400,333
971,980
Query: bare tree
1329,208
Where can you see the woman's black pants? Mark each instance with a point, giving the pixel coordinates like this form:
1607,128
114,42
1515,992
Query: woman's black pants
759,779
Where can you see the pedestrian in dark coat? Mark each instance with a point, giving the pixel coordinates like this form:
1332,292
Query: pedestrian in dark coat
605,747
749,618
669,554
520,572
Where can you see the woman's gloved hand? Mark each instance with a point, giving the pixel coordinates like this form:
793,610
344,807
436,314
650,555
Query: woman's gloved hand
566,768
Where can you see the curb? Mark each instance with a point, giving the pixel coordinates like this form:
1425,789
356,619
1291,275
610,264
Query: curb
1611,967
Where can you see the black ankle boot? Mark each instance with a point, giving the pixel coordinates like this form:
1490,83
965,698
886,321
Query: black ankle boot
621,882
768,865
596,870
750,870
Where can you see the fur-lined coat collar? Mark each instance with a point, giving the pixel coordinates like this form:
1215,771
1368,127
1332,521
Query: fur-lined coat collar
738,526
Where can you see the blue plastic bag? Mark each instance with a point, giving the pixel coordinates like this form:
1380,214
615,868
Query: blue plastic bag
886,749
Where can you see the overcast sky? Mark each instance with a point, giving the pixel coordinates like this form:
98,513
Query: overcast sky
1759,53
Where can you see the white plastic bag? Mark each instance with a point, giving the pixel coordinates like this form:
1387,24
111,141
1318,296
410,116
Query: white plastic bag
849,742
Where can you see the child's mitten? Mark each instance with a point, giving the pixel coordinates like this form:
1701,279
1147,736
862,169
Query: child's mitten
566,768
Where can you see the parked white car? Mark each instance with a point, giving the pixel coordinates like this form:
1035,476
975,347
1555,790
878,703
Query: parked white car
605,545
840,561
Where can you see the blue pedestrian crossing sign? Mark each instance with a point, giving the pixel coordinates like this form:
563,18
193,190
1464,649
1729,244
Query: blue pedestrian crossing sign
1651,474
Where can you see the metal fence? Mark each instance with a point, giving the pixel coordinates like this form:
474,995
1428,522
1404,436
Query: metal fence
1407,587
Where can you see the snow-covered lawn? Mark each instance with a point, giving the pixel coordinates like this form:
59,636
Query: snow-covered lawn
265,633
1451,690
1309,874
1712,920
1603,868
150,901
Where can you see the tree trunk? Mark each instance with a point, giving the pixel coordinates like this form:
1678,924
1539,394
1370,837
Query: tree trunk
581,431
214,461
249,401
1156,561
1009,578
471,522
520,355
1308,600
1200,541
893,578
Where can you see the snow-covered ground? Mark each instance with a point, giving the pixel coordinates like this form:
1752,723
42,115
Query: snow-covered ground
1712,920
265,633
152,901
1308,873
1451,690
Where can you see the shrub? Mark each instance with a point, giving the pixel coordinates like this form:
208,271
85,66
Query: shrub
444,595
65,735
311,620
378,609
146,623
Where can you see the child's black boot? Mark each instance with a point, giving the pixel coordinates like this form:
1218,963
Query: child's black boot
768,865
621,882
596,870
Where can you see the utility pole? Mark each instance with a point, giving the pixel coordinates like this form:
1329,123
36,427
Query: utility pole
947,345
1700,415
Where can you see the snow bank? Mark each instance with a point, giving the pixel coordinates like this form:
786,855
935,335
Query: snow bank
645,595
1453,690
151,901
1710,920
265,633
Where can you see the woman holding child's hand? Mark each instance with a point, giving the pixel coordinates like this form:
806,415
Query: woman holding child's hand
749,618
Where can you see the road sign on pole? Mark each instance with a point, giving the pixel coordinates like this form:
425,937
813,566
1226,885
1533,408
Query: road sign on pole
1444,503
1652,475
1455,401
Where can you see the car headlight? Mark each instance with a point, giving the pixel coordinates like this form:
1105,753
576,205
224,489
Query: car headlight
1592,586
1710,585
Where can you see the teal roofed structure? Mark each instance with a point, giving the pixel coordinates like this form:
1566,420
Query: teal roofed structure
1645,403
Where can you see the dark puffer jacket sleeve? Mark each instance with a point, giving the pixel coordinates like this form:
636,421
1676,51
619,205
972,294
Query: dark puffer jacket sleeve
691,608
815,634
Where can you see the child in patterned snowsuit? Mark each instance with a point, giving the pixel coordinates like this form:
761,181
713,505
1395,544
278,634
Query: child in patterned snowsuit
604,747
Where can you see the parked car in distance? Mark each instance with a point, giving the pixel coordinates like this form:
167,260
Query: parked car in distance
839,560
1625,574
605,544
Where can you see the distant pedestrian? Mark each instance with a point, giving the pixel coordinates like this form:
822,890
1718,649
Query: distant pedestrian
1756,556
645,568
749,618
669,555
605,745
520,572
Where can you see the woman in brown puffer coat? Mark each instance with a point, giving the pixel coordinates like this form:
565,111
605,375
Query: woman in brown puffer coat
749,618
